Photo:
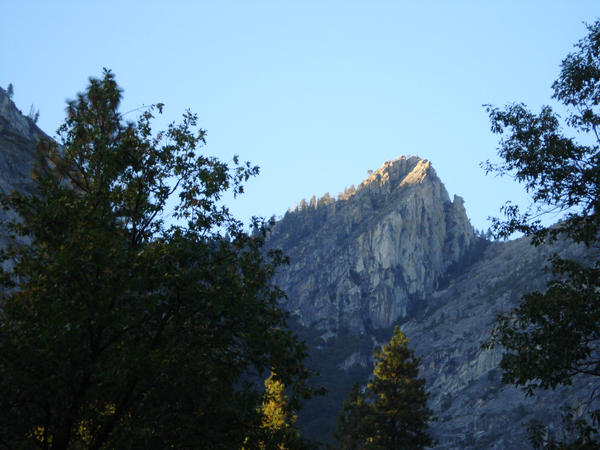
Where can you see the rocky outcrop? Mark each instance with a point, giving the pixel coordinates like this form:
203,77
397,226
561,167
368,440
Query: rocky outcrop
18,137
474,408
369,259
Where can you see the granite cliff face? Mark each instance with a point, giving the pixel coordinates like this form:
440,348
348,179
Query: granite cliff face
373,256
474,408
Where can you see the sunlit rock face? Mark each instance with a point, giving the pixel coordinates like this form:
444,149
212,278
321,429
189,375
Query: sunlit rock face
373,255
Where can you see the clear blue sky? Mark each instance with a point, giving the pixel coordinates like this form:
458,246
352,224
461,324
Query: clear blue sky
314,92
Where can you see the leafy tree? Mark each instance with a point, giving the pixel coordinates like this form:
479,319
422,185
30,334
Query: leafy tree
555,335
10,90
393,412
278,419
577,433
119,329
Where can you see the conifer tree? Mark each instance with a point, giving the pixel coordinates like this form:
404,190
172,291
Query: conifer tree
393,412
352,420
398,397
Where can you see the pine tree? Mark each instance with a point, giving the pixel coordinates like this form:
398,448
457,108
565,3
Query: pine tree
303,205
34,114
352,420
393,412
399,398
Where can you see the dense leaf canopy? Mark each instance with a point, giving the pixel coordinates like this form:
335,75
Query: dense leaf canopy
122,327
553,336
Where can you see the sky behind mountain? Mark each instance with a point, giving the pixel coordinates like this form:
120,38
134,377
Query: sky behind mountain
315,92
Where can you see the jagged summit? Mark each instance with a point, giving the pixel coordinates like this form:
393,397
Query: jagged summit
399,172
395,176
368,259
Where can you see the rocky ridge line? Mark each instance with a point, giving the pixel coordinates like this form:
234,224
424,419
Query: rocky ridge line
366,261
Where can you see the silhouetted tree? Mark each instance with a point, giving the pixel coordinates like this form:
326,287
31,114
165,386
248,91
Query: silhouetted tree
117,329
555,335
353,421
34,114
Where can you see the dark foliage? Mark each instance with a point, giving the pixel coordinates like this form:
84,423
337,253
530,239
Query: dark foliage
392,412
555,335
119,329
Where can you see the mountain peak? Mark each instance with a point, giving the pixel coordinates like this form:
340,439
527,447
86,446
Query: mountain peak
418,173
379,251
399,172
393,177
